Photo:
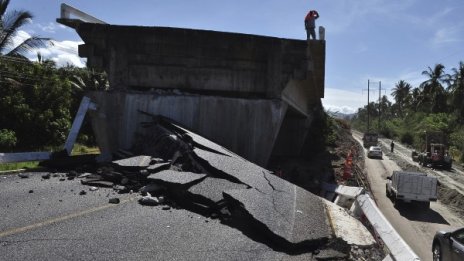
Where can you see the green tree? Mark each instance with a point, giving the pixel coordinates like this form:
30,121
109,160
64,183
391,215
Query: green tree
11,22
400,93
456,90
434,97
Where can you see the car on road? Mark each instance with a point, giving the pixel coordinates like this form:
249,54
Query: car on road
375,152
448,245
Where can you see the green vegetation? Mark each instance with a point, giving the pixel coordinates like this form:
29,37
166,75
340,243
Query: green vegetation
437,104
19,165
38,99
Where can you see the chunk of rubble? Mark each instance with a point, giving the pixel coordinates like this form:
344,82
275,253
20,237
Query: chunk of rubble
137,162
46,176
293,216
149,200
176,177
23,175
158,167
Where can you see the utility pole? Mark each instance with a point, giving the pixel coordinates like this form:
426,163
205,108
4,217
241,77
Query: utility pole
369,82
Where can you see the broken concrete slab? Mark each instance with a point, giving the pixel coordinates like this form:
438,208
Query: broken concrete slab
295,218
176,177
137,162
211,189
158,167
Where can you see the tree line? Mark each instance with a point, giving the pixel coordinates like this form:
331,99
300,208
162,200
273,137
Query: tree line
38,100
437,104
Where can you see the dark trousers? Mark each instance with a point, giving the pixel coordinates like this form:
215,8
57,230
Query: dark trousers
310,32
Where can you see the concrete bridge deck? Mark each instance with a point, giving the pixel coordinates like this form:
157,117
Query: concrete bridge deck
255,95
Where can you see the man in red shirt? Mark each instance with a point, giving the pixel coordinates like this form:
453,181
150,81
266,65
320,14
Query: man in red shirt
310,24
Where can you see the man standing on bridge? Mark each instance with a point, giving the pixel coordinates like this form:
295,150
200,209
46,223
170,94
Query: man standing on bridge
310,24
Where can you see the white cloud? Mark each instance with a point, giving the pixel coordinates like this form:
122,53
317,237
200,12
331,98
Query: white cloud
61,52
446,35
48,28
344,101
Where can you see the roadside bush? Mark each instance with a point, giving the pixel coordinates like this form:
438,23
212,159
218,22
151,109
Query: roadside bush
7,139
407,138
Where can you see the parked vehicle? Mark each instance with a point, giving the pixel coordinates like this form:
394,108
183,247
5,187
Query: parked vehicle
434,152
375,152
370,139
411,187
448,245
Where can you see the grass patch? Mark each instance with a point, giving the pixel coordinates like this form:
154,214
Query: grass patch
80,149
19,165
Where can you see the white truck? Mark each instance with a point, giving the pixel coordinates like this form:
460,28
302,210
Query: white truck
411,187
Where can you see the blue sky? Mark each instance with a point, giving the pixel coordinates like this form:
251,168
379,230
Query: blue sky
380,40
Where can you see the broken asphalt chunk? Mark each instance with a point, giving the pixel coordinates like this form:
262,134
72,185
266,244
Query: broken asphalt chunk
275,215
138,162
158,167
176,177
23,175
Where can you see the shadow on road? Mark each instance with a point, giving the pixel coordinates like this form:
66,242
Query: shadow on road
423,215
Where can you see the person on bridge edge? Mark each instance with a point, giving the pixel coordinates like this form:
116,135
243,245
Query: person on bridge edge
310,24
392,146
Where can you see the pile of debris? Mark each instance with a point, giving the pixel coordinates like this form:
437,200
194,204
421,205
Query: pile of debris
172,166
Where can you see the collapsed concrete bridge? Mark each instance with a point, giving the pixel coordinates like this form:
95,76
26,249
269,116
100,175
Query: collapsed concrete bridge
254,95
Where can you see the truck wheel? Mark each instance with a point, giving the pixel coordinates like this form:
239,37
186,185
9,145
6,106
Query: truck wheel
426,205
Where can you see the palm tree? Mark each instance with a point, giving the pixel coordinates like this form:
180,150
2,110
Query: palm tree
401,93
434,94
10,23
456,90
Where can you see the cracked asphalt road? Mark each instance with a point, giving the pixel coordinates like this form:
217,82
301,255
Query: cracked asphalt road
54,222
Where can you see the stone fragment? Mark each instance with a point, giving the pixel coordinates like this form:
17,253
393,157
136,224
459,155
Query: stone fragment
46,176
149,200
31,191
82,192
62,179
84,175
93,188
23,175
114,201
120,188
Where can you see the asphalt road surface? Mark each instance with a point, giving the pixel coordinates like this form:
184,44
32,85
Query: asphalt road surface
416,226
48,219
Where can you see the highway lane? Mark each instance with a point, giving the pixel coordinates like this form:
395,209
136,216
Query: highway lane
416,226
54,222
